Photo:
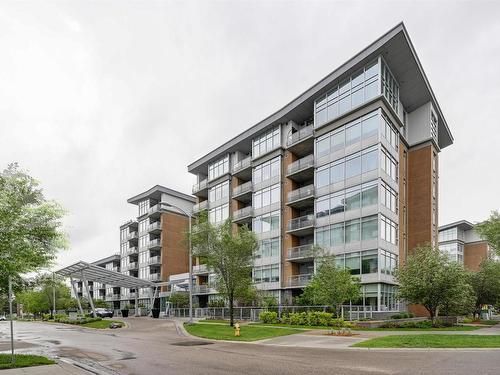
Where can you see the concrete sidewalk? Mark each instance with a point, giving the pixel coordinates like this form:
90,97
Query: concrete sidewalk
60,368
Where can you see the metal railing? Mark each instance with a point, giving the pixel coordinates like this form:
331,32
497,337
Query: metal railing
243,188
155,260
298,165
299,280
242,164
303,192
301,222
200,185
113,297
154,243
132,250
133,266
154,208
154,277
200,206
200,268
132,235
244,212
203,289
299,252
154,226
298,136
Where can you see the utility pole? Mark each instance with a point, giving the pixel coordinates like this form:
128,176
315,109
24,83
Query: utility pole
13,358
53,295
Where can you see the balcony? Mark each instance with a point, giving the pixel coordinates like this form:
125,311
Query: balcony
303,197
154,227
243,192
154,244
198,207
302,169
243,216
132,250
133,266
112,297
203,289
115,269
200,269
154,277
156,260
133,295
132,236
243,168
301,226
201,188
301,142
299,281
154,212
301,253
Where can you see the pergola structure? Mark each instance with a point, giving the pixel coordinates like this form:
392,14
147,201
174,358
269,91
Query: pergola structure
90,272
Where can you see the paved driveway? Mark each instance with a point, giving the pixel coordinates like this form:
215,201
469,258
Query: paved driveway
155,347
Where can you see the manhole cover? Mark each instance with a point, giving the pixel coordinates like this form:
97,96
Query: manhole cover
192,343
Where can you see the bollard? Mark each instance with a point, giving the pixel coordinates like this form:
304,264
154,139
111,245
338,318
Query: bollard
237,330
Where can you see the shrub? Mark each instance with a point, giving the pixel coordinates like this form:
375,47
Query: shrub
78,321
403,315
268,317
58,317
45,317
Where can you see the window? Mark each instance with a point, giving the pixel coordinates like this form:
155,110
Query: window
389,133
352,263
123,234
352,231
388,230
352,167
143,207
268,248
266,197
448,235
370,126
369,194
390,88
353,134
266,223
369,228
388,262
369,262
218,214
389,165
350,93
434,126
218,168
389,197
266,142
369,161
143,241
143,226
353,199
218,192
266,274
267,170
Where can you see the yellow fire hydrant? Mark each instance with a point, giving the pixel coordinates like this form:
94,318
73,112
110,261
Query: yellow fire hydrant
237,329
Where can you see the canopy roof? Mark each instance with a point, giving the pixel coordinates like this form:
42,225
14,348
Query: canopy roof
91,272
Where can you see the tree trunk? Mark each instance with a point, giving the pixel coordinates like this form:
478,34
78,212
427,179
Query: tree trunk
231,312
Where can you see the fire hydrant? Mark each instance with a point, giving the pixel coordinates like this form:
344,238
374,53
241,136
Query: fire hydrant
237,329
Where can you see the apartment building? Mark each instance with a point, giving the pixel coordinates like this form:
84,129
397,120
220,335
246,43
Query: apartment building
350,165
463,244
100,291
153,246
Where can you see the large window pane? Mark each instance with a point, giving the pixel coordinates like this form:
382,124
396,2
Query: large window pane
370,126
353,199
322,177
352,231
337,234
353,167
353,134
369,230
338,141
352,263
369,161
369,262
323,207
337,173
369,195
323,146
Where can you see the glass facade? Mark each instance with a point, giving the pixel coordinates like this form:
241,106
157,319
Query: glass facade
218,168
266,142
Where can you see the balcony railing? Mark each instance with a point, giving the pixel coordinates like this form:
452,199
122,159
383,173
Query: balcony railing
154,243
244,212
303,192
200,206
242,164
301,164
200,185
113,297
301,252
242,189
115,269
299,280
132,235
201,268
154,208
132,295
154,277
301,222
154,226
133,266
298,136
203,289
155,260
132,250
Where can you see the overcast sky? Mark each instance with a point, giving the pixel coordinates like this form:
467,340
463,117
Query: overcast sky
102,100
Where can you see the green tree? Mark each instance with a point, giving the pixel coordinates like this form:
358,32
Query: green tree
486,284
30,225
179,299
229,253
429,278
331,285
490,230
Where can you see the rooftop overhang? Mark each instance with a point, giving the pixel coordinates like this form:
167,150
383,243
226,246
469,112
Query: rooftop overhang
461,224
397,50
156,192
111,258
91,272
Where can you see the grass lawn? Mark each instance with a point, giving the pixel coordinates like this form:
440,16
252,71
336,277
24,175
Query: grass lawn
24,360
216,321
457,328
226,332
431,341
100,324
486,322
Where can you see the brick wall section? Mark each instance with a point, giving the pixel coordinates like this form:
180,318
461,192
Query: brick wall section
419,197
174,252
287,268
474,254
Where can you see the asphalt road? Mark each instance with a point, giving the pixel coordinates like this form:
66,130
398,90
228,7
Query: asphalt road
155,347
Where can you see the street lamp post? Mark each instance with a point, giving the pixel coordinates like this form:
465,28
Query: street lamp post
190,260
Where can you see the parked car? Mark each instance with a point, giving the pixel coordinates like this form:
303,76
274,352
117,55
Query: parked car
104,313
2,318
